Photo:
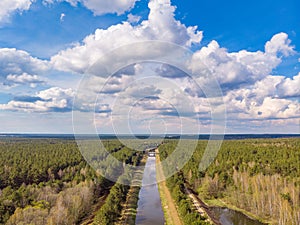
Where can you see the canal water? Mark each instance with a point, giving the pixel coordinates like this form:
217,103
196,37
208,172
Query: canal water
230,217
149,210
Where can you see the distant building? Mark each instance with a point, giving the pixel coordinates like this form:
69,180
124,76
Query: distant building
151,152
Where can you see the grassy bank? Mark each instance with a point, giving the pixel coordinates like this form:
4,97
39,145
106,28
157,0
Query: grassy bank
130,207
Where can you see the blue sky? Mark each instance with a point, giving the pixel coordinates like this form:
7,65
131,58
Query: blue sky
234,24
251,48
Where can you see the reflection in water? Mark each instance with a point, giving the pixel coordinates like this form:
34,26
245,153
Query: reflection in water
231,217
149,210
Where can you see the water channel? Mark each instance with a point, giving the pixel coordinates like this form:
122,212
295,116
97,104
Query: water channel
149,210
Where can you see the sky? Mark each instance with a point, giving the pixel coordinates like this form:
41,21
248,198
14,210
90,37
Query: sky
157,66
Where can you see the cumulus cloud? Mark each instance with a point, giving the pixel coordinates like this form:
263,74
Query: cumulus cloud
8,7
264,100
161,25
243,68
73,3
100,7
270,109
115,84
170,71
24,78
13,61
279,44
133,18
54,99
289,87
18,67
251,93
143,91
273,108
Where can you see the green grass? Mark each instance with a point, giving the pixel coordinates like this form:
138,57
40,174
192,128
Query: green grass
131,206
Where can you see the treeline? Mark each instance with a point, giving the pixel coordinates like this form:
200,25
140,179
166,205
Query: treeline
47,181
34,161
111,211
260,176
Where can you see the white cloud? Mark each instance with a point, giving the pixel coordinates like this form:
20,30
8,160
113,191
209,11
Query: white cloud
279,44
238,69
133,18
45,2
101,7
8,7
72,2
18,67
273,108
13,61
54,99
143,91
265,88
251,110
264,100
161,25
55,93
116,84
251,93
62,16
289,87
24,78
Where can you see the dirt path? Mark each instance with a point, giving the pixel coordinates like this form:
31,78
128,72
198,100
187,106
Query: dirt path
169,207
195,202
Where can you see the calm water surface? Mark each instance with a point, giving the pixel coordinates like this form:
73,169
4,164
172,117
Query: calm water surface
231,217
149,210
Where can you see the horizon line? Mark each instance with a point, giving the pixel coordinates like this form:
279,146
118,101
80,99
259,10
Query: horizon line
142,134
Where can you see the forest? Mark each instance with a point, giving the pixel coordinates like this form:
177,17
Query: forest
47,181
258,176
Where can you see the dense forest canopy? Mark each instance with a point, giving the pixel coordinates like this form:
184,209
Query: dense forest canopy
47,181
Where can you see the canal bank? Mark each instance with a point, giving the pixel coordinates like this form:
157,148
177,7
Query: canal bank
170,210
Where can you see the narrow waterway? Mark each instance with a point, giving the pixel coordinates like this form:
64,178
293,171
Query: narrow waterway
230,217
149,210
